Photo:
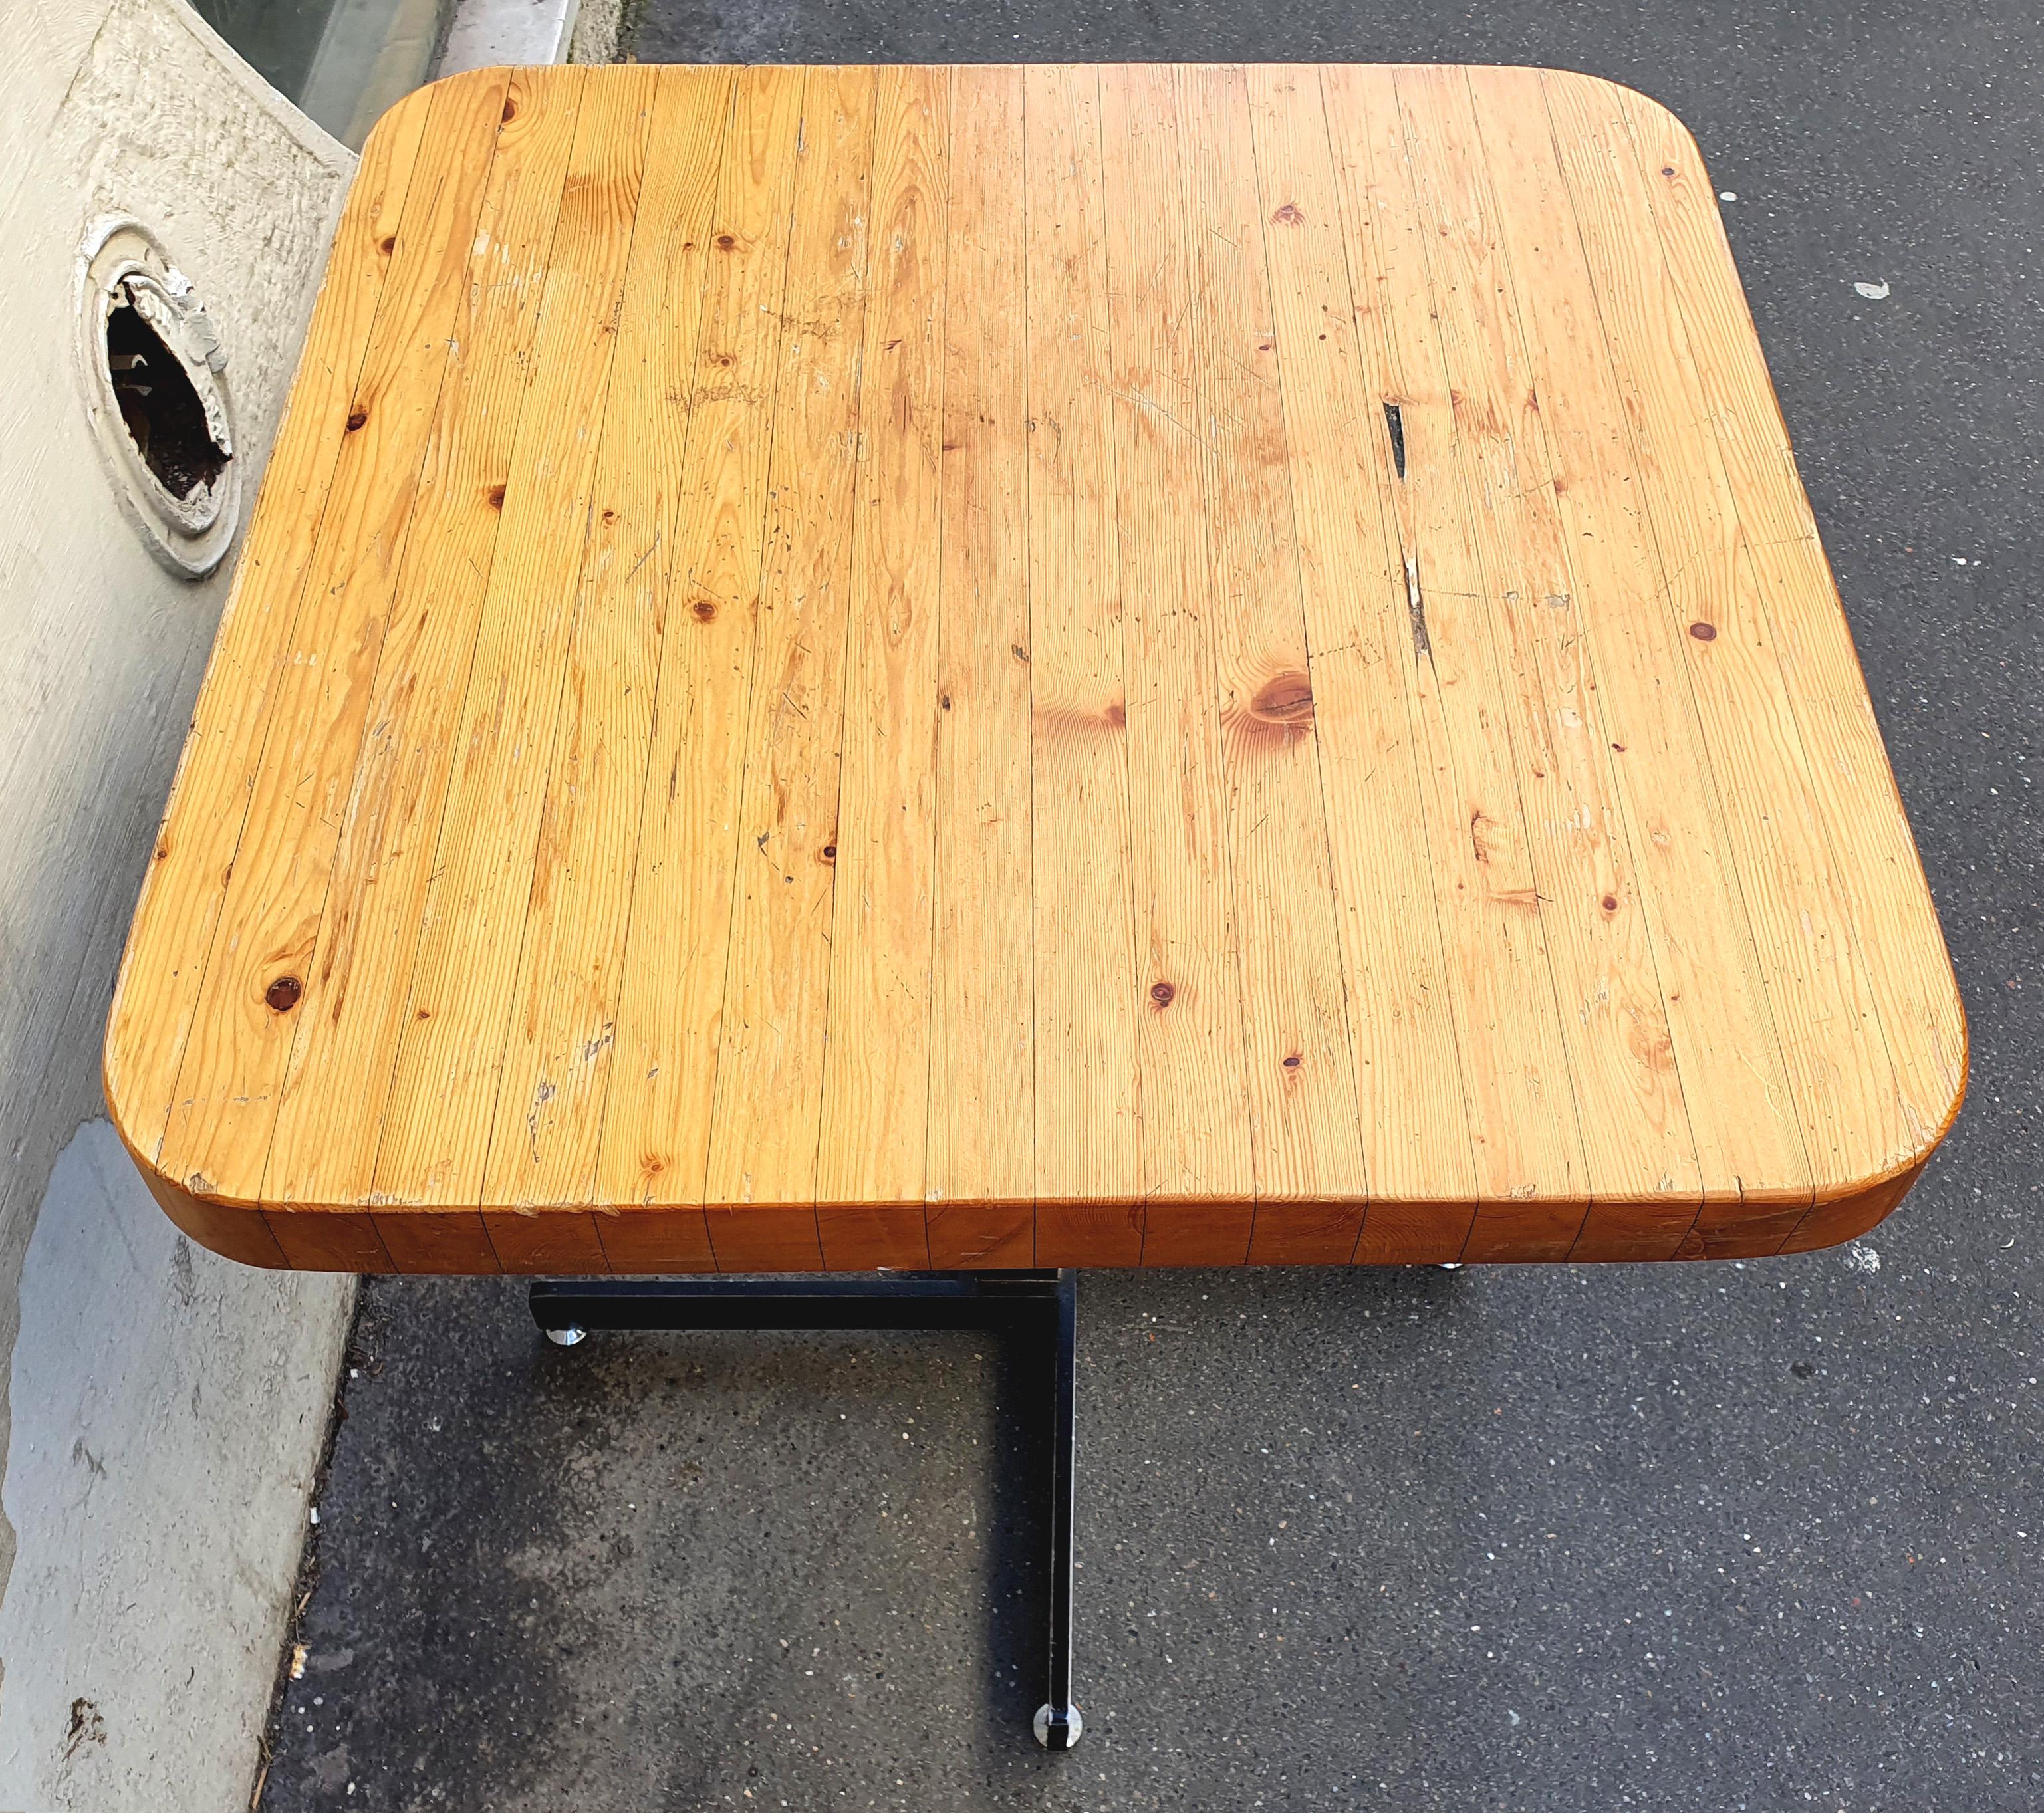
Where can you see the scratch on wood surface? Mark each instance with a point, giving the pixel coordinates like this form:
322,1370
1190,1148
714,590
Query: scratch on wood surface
1415,607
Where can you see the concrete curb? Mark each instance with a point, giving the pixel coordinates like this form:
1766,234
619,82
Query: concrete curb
487,34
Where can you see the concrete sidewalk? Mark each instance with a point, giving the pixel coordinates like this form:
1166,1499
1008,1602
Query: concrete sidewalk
1713,1537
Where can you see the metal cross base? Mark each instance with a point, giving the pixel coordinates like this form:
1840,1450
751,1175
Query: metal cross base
1046,1303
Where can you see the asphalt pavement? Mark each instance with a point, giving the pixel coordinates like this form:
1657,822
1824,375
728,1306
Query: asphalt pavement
1703,1537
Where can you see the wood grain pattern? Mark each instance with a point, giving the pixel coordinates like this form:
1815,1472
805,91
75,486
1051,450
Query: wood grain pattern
1088,1157
1524,1119
563,1024
1417,1153
344,1050
265,945
1639,1154
1844,761
768,1106
656,1133
1003,665
982,1126
446,1087
1749,1148
186,884
1305,1135
1196,1111
872,1165
1833,1045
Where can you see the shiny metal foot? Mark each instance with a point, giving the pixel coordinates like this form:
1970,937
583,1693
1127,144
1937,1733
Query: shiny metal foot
567,1337
1449,1265
1057,1730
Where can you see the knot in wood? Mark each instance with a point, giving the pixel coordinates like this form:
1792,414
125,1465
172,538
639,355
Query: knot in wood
1287,700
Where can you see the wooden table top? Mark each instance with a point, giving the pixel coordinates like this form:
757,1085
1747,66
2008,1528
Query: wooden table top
992,666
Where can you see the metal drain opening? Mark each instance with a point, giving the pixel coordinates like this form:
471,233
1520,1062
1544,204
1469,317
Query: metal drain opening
154,373
163,415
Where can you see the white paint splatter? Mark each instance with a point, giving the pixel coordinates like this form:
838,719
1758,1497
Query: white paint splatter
1873,292
1860,1257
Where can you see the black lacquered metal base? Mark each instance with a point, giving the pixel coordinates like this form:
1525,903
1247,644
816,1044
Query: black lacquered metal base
1043,1304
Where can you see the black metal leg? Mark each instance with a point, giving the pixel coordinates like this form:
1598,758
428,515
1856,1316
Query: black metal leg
1058,1721
1042,1303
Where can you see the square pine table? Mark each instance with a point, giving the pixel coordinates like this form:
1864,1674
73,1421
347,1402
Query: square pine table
1003,667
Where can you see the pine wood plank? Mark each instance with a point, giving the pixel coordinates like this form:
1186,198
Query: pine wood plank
557,1240
874,1151
1876,866
1305,1135
334,1240
444,1091
1407,1072
1523,1117
1088,1172
226,1106
324,1151
163,968
447,1243
1197,1157
1645,1183
1749,1144
1833,1045
765,1237
655,1241
768,1103
982,1071
655,1135
570,975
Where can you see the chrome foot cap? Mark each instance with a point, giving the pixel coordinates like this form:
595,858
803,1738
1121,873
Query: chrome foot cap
567,1337
1059,1729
